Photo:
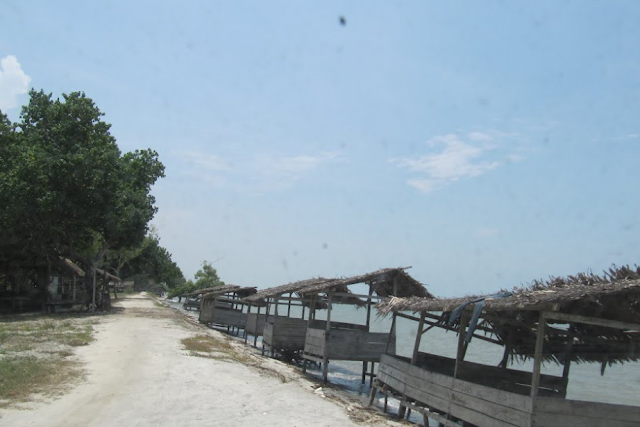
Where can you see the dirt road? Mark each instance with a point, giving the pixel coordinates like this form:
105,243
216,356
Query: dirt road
140,375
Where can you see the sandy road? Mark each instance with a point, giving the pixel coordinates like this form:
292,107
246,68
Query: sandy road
139,375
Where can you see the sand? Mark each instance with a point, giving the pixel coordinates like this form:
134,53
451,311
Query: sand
138,374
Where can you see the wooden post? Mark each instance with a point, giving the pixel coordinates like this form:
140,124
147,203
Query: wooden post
312,308
265,322
537,361
364,371
325,359
416,347
289,305
462,348
245,328
255,336
392,333
369,307
567,358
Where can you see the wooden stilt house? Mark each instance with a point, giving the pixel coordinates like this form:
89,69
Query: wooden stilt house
330,340
580,319
224,306
282,333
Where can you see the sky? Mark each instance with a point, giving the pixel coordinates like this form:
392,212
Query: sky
485,144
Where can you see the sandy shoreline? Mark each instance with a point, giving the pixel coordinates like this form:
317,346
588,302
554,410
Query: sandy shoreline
140,375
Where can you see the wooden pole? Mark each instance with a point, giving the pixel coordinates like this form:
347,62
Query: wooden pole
369,307
462,348
289,305
312,308
392,334
325,359
567,358
268,301
537,361
245,329
416,347
255,336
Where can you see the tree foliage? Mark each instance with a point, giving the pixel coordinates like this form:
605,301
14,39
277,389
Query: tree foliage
65,187
206,277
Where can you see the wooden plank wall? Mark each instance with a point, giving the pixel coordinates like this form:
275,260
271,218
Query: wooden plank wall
289,333
550,412
229,317
251,327
350,344
477,404
314,343
206,312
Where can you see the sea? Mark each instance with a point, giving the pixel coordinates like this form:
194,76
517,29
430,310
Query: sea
620,383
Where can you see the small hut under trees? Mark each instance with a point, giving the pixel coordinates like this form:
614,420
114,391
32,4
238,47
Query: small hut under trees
224,306
580,319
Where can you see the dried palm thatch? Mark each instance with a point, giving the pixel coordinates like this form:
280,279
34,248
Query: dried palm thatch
214,289
513,320
241,292
384,281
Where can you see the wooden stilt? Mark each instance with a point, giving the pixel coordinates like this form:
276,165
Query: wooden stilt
537,361
364,371
325,359
416,347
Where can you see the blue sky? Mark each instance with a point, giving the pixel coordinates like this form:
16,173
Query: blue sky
485,144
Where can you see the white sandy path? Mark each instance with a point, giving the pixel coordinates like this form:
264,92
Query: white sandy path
139,376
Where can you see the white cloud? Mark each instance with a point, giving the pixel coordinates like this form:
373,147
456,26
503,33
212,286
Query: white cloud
296,165
253,175
13,82
457,159
207,161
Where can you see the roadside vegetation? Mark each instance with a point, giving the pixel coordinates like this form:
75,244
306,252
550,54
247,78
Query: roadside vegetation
36,355
213,348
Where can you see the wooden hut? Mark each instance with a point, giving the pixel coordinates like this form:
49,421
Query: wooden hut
224,306
330,340
583,318
282,334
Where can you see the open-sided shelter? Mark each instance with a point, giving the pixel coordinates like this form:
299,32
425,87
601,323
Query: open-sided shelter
580,319
282,333
330,340
224,306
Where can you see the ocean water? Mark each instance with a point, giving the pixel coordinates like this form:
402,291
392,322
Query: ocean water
620,384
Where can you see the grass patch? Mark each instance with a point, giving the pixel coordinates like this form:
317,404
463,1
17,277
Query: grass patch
213,348
36,353
21,377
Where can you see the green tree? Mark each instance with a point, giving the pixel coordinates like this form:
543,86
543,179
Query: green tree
68,189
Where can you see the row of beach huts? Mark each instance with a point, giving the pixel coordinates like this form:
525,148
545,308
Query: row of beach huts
579,319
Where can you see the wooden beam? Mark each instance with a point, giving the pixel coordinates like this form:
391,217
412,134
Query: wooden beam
574,318
367,297
537,360
416,347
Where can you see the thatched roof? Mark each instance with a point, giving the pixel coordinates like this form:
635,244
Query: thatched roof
613,296
213,289
294,287
240,291
384,282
